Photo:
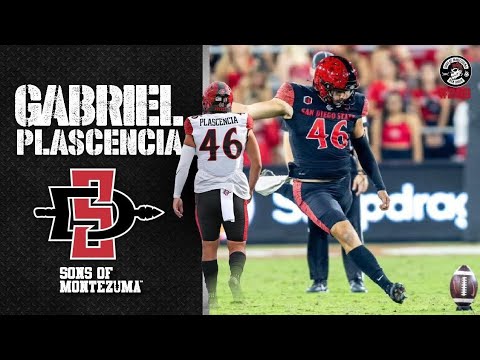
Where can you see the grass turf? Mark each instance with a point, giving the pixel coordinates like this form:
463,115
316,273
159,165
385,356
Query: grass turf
277,286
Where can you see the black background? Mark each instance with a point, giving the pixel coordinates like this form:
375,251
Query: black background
164,253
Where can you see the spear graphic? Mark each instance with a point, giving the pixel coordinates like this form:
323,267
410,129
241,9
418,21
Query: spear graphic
127,213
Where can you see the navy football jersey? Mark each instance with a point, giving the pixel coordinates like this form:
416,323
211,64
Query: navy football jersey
319,132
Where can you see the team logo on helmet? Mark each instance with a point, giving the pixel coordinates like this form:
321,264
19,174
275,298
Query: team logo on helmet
455,71
335,73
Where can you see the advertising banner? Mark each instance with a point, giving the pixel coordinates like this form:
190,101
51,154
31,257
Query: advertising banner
427,204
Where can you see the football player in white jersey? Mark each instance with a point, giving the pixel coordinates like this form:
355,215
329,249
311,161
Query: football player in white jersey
219,138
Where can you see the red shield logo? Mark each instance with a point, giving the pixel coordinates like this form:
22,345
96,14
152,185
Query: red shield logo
307,100
91,214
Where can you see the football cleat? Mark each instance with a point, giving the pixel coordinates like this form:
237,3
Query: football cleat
397,293
235,288
357,286
268,182
318,286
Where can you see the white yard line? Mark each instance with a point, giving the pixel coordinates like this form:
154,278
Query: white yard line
434,250
378,249
267,253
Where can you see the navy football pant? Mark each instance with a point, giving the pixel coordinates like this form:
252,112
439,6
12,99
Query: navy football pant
324,203
317,248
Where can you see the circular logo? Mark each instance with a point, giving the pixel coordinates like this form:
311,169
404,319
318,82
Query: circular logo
455,71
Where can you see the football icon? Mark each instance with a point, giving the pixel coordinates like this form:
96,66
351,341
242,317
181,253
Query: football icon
463,287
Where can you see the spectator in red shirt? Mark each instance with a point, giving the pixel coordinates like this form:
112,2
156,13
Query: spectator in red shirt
396,134
460,121
386,82
434,110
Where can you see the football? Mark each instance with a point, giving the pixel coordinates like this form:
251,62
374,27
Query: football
463,286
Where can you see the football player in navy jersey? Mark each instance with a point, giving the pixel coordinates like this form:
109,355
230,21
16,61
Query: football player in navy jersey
321,120
317,244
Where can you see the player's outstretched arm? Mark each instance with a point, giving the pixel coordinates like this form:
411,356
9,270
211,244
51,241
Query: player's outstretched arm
265,109
188,152
253,152
280,105
368,162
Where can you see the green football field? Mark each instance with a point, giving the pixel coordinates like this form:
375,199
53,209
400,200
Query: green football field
276,285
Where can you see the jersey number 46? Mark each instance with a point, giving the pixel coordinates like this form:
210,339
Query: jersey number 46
209,143
339,138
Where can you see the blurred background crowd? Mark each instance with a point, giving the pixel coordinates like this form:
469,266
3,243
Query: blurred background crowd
410,118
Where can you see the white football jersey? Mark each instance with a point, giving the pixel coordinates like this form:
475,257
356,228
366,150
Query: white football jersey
220,140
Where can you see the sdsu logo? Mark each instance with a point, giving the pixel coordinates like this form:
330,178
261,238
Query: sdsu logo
455,71
91,214
307,100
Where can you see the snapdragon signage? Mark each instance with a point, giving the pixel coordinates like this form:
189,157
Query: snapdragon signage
427,204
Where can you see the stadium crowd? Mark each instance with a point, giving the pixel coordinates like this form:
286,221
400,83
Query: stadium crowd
409,118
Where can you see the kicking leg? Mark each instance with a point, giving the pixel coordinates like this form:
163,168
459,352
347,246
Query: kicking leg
365,260
319,203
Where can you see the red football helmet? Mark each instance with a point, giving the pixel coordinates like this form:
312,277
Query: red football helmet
335,73
218,97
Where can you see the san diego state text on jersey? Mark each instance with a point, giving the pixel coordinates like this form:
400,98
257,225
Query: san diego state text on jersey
319,132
